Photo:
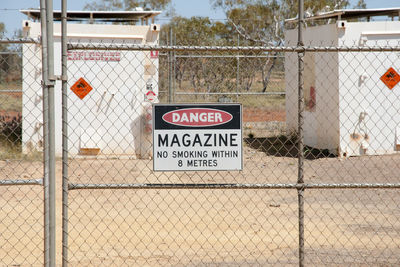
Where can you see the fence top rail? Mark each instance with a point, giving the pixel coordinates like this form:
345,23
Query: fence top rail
19,41
297,49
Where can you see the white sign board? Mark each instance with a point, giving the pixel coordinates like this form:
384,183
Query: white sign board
197,137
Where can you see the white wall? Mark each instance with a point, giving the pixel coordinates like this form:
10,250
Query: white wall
348,84
321,127
110,117
381,104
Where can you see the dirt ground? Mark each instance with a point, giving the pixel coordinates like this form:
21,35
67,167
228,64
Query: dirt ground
251,114
209,227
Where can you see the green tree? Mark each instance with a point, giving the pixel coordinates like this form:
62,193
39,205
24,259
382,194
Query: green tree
194,30
3,57
2,29
261,22
200,73
2,32
361,5
209,71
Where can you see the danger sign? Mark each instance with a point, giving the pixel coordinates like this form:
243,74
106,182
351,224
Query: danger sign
194,137
81,88
390,78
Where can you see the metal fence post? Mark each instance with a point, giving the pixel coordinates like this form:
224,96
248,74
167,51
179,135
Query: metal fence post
170,73
45,132
174,71
237,70
51,127
64,75
300,179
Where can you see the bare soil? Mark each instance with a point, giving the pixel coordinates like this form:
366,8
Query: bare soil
262,115
249,114
209,227
14,94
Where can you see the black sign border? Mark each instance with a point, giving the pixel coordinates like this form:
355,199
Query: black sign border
200,105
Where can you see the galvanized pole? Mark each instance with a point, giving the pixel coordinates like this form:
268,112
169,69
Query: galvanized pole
300,179
50,87
237,70
64,74
174,71
170,96
45,103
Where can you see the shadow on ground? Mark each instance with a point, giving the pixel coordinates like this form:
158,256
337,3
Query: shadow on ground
283,146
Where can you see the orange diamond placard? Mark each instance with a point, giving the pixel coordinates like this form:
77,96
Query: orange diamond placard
390,78
81,88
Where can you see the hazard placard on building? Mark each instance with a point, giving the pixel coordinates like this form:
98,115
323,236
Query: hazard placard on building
197,137
390,78
81,88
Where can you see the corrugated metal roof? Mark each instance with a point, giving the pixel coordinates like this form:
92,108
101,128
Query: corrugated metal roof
96,15
352,14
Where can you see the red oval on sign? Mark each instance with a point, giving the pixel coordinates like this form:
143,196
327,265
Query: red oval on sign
197,117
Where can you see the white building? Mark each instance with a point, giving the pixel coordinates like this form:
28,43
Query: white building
111,118
349,109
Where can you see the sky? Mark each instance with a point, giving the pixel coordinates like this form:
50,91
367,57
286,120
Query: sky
12,18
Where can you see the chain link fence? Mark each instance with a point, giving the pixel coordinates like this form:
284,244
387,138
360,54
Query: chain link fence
121,212
21,173
343,210
255,79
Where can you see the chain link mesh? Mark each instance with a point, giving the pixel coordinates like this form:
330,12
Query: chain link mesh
165,226
123,213
21,171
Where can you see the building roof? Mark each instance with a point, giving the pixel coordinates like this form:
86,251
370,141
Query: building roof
111,16
344,14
